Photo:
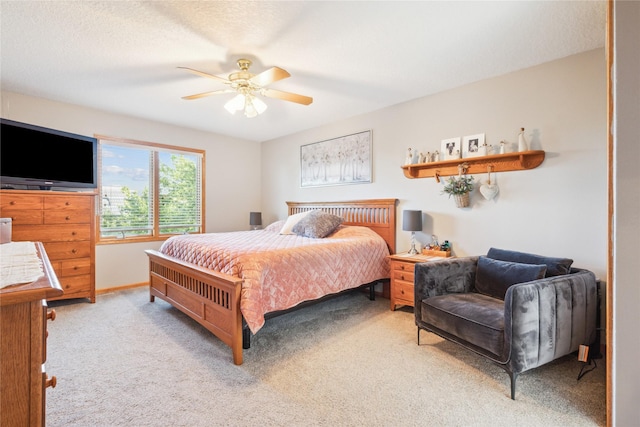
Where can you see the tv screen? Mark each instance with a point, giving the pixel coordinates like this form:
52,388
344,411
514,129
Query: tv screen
43,158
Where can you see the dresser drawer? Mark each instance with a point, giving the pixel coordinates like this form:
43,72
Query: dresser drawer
74,216
406,276
72,267
67,203
68,250
402,266
403,292
21,201
23,217
52,233
76,286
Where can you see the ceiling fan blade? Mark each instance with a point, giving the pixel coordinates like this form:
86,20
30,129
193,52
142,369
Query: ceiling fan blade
269,76
287,96
202,95
203,74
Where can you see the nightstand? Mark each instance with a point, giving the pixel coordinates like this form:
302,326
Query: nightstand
402,266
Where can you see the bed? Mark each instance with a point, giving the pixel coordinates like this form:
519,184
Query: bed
233,289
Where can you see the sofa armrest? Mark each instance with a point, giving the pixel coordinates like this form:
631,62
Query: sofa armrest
452,275
548,318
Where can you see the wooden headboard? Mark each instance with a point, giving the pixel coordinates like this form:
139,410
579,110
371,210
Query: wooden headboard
377,214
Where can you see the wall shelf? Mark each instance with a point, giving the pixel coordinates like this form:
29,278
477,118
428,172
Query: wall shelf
497,162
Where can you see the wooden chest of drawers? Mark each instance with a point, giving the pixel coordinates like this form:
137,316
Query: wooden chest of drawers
23,348
402,268
65,223
401,283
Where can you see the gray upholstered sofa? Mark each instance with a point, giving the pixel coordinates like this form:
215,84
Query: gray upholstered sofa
519,310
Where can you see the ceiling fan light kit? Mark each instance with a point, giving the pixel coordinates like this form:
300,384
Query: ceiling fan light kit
246,85
251,105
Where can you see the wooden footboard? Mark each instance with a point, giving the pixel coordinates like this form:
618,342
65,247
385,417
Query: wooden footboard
209,297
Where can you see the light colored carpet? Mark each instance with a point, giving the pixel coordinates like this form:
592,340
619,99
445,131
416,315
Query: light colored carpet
345,362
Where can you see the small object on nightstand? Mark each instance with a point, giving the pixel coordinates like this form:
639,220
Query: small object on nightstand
438,253
412,221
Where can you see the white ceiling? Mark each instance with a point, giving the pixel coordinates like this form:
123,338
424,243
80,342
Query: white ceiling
351,57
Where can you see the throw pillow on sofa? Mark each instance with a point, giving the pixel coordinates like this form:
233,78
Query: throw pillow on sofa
493,277
555,266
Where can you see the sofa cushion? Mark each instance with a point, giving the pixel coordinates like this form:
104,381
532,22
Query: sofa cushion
493,277
472,317
555,266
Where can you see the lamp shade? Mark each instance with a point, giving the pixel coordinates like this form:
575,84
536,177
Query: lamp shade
255,218
412,220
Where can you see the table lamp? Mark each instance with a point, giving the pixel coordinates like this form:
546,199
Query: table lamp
255,220
412,221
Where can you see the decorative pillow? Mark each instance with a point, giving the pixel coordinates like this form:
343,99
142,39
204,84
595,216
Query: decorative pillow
493,277
291,221
317,224
555,266
275,227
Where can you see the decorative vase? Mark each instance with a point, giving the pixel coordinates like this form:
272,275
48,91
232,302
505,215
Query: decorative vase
522,143
462,200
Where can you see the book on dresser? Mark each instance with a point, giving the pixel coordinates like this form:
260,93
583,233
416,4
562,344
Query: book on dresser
64,222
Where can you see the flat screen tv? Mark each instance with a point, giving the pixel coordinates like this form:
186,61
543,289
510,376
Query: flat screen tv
45,159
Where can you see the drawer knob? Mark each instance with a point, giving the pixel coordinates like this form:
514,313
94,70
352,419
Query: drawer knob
73,251
51,315
402,277
67,203
402,291
51,382
73,233
402,267
67,218
12,202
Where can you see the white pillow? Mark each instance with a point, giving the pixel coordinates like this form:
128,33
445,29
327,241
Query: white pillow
292,221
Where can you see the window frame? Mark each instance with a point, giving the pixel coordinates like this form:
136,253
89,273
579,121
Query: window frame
155,148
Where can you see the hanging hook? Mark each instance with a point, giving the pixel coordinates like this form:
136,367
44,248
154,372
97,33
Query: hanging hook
462,168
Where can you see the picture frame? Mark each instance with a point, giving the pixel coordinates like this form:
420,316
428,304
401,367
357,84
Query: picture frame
450,148
471,145
337,161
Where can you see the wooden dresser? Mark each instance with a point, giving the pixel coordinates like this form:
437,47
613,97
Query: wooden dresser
23,348
65,223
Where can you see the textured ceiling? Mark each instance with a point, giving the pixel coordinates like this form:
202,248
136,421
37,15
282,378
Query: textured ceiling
351,57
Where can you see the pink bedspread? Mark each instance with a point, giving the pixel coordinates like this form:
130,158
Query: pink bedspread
281,271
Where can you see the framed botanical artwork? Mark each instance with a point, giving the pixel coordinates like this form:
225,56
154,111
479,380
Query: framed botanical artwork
450,148
471,145
337,161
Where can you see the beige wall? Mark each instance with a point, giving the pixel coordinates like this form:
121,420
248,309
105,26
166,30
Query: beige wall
232,191
626,218
559,208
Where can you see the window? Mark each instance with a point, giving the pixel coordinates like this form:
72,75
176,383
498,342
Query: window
149,191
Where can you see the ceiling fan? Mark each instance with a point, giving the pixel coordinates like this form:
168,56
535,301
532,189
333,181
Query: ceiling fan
247,85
